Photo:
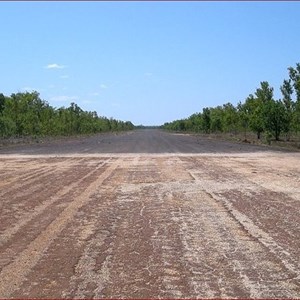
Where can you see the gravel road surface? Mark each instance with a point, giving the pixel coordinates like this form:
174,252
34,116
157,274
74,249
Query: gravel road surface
149,214
139,141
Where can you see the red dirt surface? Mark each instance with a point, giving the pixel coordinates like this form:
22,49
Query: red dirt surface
149,215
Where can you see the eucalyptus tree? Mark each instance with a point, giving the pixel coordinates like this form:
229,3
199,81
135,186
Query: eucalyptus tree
252,114
2,103
289,105
294,74
206,119
275,120
230,118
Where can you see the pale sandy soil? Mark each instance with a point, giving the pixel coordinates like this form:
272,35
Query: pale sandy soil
206,224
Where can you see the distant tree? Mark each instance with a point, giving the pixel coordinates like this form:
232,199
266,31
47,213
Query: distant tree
194,122
244,113
206,119
230,118
275,118
2,103
294,74
289,105
252,109
270,113
27,114
7,127
295,123
265,92
287,91
216,119
259,113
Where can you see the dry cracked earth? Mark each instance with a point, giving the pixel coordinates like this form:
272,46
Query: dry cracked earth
149,214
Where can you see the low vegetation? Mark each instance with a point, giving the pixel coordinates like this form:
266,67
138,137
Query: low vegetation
260,113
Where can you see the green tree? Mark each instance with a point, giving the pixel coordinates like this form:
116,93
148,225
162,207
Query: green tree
230,118
27,114
7,127
194,122
2,103
216,119
271,114
265,92
206,119
289,105
295,123
25,111
294,74
253,114
275,118
244,114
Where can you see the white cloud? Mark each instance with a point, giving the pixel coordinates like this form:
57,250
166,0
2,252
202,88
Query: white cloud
55,66
148,74
64,76
103,86
63,98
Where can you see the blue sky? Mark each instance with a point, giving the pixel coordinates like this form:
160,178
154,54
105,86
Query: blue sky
147,62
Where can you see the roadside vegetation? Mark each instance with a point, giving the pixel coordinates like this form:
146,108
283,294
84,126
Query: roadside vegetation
260,114
27,115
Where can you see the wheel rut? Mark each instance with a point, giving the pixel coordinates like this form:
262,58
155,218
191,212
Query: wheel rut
14,273
148,226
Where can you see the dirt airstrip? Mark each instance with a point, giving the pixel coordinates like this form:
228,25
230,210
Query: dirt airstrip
149,214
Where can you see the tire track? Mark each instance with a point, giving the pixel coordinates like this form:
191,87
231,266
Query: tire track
244,186
175,275
12,276
6,235
159,226
29,177
81,240
22,183
91,270
224,260
264,238
22,201
271,254
146,258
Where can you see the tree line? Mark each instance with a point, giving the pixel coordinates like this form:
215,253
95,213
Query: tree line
259,113
26,114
